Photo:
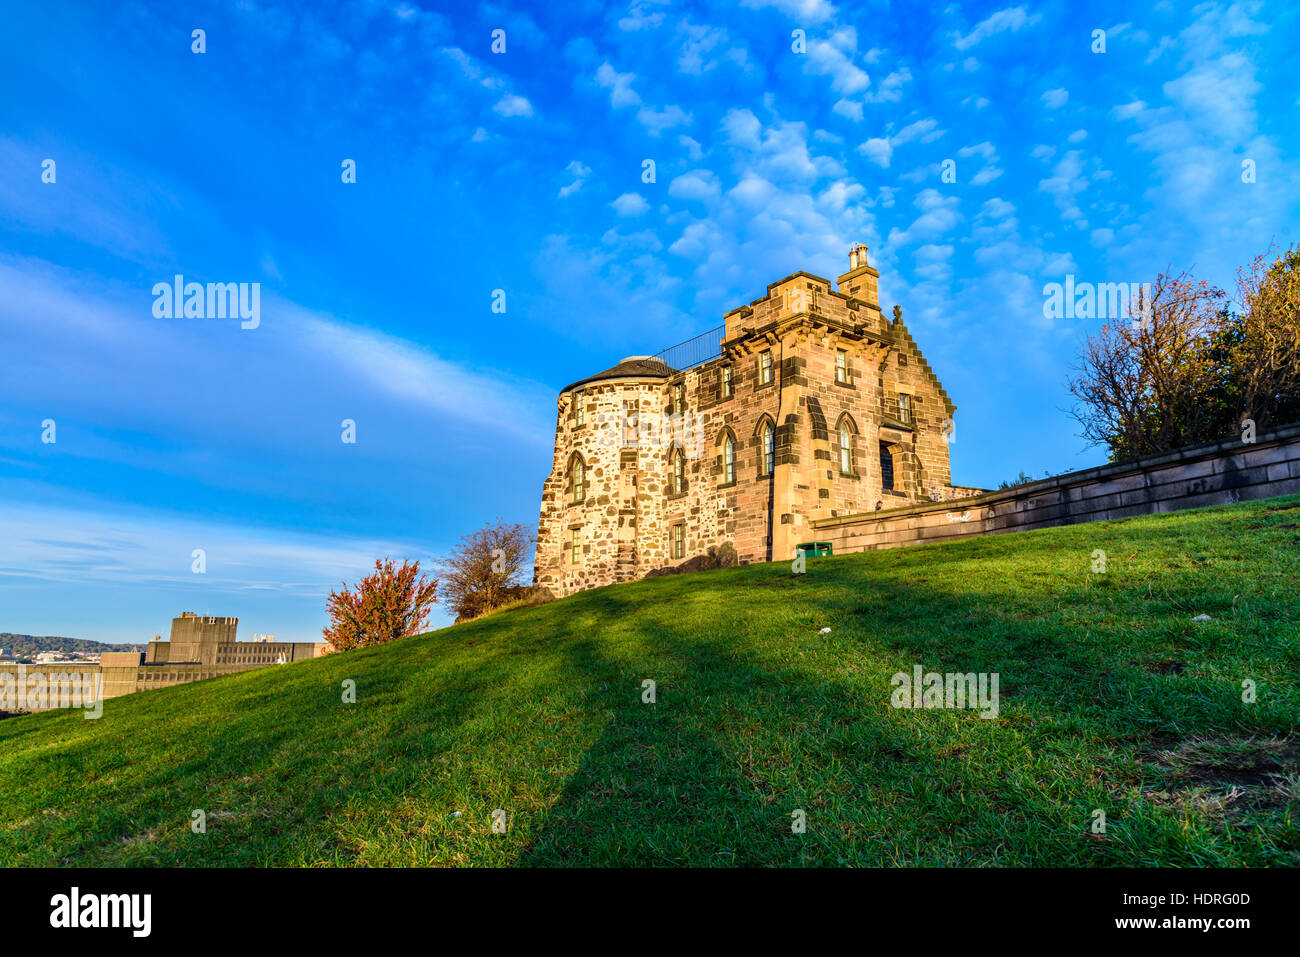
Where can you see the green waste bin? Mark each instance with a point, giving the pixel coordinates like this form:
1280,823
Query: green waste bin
814,549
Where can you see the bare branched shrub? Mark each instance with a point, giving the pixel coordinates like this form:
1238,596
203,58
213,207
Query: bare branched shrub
484,572
1141,381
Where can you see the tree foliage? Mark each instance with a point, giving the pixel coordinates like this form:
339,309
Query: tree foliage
1189,368
484,570
388,604
1265,350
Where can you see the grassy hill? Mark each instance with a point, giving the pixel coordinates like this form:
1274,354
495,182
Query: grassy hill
1111,698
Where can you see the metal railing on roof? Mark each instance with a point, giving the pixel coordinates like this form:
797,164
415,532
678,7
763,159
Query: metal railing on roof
693,352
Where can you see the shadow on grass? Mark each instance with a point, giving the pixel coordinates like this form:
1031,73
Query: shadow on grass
757,715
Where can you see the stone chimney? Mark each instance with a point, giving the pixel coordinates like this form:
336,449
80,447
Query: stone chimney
861,281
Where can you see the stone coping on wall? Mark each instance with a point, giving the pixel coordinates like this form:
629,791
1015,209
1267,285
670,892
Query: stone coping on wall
1126,486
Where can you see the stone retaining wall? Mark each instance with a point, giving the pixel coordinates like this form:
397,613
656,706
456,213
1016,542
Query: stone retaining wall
1215,474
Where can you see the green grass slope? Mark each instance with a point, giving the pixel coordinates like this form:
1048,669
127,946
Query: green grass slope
1112,699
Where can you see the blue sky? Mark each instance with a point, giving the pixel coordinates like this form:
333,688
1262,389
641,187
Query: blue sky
522,171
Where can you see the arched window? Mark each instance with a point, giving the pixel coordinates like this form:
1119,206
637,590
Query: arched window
767,448
678,480
728,459
577,480
848,429
886,467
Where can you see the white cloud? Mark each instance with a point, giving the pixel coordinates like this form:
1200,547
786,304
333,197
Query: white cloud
69,545
622,96
938,217
699,42
1067,182
890,89
580,172
850,109
880,150
630,204
642,15
1219,93
619,85
513,105
1012,19
656,121
923,130
833,57
997,209
742,128
983,150
693,149
840,194
700,185
645,239
307,360
753,192
1055,99
804,11
1128,110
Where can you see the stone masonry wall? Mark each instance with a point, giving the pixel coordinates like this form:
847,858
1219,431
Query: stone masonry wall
628,512
1214,474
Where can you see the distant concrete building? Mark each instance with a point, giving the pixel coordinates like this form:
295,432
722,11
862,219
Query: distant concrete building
199,647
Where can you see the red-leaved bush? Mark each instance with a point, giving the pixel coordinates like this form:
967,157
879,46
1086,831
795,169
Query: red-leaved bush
392,603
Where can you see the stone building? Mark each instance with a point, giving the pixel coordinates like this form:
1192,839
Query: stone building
808,403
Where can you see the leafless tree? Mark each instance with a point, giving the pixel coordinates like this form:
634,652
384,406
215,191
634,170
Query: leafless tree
484,570
1140,380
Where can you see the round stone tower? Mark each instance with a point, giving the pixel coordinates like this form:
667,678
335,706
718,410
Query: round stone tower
604,465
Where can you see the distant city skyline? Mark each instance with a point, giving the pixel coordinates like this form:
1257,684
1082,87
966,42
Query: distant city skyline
524,172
